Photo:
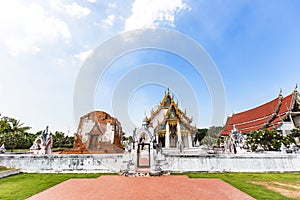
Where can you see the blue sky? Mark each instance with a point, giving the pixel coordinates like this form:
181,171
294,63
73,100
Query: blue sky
43,45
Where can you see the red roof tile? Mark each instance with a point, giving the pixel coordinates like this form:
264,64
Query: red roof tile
268,115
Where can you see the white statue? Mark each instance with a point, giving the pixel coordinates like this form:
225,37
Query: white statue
42,144
2,149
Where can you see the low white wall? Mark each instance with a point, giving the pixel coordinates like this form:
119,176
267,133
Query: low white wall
234,163
104,163
100,163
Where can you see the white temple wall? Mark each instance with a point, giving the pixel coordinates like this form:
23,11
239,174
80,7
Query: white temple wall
234,163
101,163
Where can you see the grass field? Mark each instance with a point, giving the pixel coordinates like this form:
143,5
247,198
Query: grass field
23,186
260,186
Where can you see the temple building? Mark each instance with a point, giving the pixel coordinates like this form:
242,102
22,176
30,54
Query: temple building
98,132
170,126
281,114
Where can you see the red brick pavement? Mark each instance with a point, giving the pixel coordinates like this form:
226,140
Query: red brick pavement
164,187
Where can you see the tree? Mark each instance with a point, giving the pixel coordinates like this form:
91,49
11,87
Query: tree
211,139
268,140
200,134
12,132
62,141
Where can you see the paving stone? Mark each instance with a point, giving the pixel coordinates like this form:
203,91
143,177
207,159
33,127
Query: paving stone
163,187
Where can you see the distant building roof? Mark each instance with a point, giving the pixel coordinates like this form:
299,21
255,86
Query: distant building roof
268,115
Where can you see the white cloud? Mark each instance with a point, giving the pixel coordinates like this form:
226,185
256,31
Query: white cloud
109,21
112,5
92,1
73,10
24,27
83,55
77,11
152,13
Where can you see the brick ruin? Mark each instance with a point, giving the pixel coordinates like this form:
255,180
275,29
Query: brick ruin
98,133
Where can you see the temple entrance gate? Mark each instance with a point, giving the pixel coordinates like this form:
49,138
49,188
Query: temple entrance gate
143,155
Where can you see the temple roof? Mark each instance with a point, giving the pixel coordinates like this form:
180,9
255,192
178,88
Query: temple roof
173,111
268,115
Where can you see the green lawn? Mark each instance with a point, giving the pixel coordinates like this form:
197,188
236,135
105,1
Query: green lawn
24,185
244,182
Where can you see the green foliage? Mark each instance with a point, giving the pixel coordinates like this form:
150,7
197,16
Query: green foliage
23,186
211,138
268,140
14,135
291,138
214,131
200,134
244,182
126,138
62,141
12,132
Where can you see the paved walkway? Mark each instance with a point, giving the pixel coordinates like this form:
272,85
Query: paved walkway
164,187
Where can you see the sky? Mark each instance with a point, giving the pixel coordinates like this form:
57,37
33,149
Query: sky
44,45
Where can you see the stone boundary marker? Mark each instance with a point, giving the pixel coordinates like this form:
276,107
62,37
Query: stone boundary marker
9,173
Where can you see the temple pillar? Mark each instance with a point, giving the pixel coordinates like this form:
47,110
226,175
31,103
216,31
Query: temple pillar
179,133
167,137
190,141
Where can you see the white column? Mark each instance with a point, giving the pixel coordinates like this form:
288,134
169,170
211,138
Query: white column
179,133
190,141
167,136
179,137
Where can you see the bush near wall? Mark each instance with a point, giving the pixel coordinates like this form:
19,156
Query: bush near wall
270,140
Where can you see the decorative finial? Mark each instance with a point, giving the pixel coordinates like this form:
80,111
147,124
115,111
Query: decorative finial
296,87
280,92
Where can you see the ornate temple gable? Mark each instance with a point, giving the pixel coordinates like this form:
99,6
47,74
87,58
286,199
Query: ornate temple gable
173,113
164,105
167,100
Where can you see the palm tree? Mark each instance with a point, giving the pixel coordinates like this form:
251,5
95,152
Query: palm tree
17,131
